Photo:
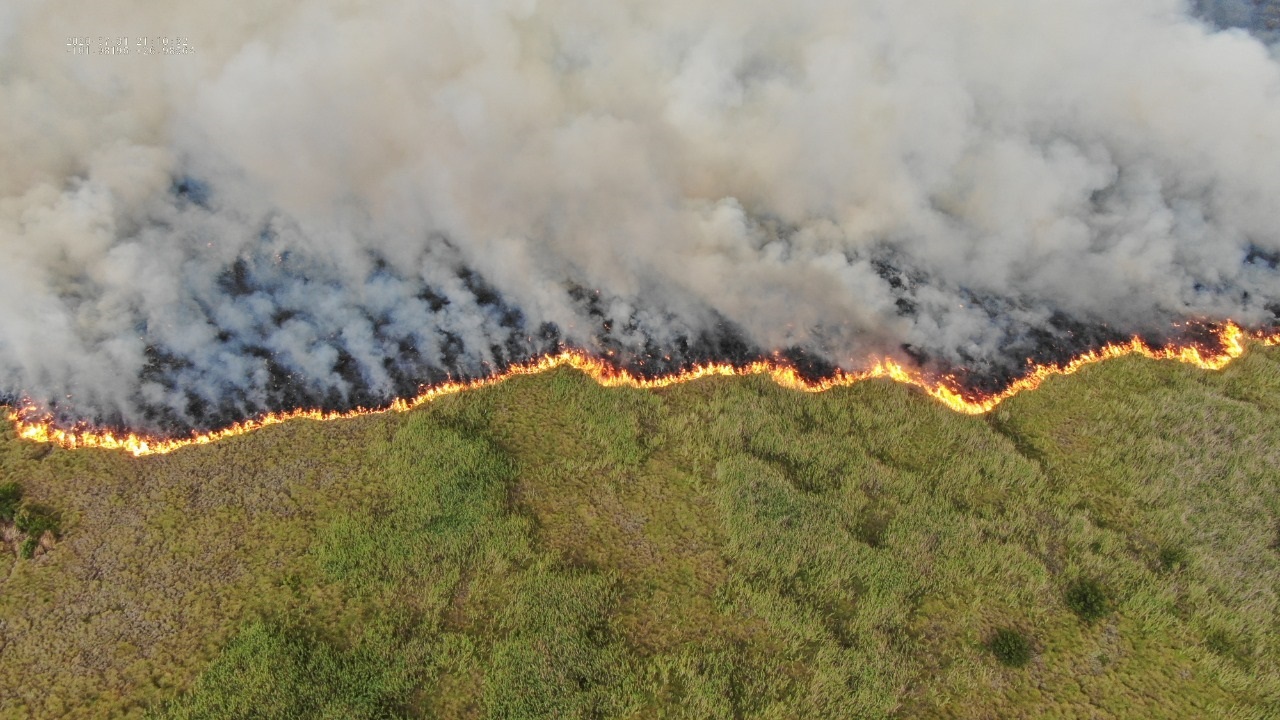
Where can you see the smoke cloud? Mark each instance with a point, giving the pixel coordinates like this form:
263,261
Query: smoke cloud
329,202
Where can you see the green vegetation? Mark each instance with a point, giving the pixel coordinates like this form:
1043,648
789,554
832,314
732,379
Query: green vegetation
1010,647
10,500
34,523
35,520
1173,557
276,672
548,548
1086,599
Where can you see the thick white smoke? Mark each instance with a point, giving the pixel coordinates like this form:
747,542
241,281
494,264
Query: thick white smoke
329,197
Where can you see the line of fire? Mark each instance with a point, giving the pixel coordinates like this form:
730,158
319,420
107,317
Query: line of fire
1229,341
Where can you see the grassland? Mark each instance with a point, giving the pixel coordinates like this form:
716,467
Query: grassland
1107,546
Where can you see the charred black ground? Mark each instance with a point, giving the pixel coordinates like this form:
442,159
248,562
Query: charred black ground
1064,340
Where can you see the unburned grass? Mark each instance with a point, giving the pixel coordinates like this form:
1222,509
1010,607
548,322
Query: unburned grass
550,548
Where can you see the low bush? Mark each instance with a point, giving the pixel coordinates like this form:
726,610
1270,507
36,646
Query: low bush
279,670
35,520
1010,647
1229,645
1172,557
10,499
1087,600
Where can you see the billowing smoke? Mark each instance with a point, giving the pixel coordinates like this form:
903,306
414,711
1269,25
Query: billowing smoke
329,202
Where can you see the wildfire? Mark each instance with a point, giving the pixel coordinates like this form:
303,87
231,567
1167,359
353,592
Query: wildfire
31,425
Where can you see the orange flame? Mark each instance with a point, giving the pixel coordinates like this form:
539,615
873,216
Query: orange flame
1231,340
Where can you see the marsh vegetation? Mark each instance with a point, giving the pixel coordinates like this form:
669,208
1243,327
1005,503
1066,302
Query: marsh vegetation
1102,547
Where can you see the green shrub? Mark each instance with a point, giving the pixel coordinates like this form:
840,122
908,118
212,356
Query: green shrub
28,549
1228,645
1173,557
1087,600
281,670
1010,647
873,526
34,520
10,498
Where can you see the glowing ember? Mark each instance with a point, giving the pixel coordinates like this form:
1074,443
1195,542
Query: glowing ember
31,425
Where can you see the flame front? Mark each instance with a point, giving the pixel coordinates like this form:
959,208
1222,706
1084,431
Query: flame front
32,425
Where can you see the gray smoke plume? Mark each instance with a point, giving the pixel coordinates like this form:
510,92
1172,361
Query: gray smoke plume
327,202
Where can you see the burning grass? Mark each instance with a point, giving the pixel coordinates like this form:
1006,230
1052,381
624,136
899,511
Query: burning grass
1217,347
548,547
